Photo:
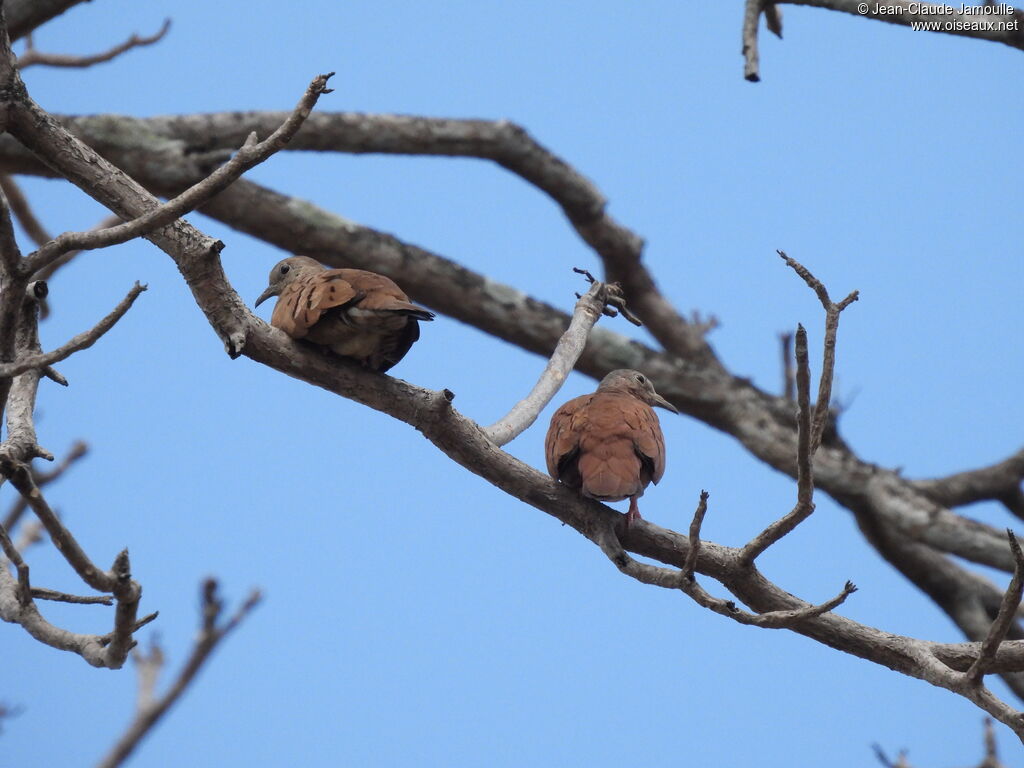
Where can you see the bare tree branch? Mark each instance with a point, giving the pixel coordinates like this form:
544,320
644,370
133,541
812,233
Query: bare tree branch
62,597
40,236
832,311
24,591
804,471
998,28
695,525
23,16
763,424
251,154
77,451
151,709
12,295
79,342
751,58
195,255
988,22
511,147
22,210
31,56
588,311
1000,481
1008,609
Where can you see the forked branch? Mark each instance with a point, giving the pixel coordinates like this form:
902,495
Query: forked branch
150,707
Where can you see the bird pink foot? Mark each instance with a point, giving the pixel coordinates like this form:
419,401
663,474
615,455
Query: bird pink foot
633,513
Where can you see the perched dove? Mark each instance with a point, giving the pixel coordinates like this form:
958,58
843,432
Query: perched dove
609,444
352,312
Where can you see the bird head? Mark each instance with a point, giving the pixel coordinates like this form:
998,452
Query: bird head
285,272
636,384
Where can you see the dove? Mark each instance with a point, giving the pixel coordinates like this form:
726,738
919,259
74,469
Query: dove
352,312
609,444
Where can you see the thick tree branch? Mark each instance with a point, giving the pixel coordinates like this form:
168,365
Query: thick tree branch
23,16
12,296
503,142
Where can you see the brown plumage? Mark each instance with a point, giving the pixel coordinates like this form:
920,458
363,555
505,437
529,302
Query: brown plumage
352,312
609,444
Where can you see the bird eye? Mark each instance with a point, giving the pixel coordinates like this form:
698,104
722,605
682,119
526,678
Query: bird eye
640,378
285,268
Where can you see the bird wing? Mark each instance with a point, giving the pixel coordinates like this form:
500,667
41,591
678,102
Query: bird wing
303,301
648,440
562,443
381,293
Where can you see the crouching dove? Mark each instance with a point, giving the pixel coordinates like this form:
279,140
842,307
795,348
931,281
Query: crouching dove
352,312
609,444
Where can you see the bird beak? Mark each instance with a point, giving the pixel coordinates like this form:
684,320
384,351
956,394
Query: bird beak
265,295
661,402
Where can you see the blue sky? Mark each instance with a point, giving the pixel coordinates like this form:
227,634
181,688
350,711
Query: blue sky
415,615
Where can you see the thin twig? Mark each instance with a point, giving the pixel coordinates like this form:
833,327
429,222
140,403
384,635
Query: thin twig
804,470
98,579
32,57
1004,619
109,637
751,17
832,312
82,341
76,452
30,533
668,578
210,634
252,153
12,554
48,271
21,208
23,211
773,18
695,525
149,667
62,597
128,594
901,761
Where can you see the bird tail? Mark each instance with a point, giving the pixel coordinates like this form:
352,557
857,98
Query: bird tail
411,310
